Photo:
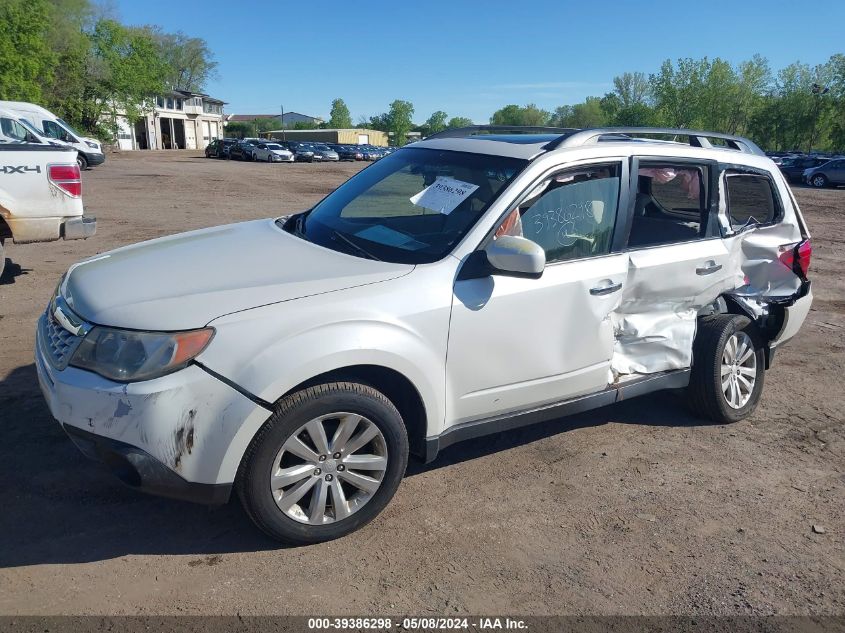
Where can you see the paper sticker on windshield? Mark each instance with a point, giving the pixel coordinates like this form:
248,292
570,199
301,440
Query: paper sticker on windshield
444,194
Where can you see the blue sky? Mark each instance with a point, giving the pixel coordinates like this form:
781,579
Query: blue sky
471,58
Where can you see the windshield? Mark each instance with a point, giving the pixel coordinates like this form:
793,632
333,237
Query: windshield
411,207
273,146
68,127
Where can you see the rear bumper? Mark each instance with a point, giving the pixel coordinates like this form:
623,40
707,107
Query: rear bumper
79,228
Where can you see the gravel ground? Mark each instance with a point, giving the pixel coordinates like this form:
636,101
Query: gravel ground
636,508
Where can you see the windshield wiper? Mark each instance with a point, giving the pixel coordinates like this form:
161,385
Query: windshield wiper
361,250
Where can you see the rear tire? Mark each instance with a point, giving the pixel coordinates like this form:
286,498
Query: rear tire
819,181
334,493
728,369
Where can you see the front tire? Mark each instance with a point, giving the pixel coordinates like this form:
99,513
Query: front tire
728,369
326,463
2,256
82,162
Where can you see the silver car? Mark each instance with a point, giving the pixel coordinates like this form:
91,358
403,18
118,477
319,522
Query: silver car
831,173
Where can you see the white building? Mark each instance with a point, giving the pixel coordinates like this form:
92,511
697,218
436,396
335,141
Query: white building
180,119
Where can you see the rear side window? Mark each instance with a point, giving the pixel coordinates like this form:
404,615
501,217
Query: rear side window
672,204
751,200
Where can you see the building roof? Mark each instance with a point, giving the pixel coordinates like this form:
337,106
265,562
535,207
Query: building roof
187,94
252,117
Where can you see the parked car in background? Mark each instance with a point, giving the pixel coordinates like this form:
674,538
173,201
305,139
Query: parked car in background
242,150
371,152
347,152
272,153
296,361
219,148
830,173
302,152
40,195
793,168
327,154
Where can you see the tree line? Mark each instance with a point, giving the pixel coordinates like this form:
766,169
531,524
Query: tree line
76,59
800,107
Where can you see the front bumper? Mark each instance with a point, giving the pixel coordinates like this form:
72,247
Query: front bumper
94,159
172,436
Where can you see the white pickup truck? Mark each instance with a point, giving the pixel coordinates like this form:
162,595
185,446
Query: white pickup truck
40,195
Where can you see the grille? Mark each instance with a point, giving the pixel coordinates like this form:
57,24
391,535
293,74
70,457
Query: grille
57,343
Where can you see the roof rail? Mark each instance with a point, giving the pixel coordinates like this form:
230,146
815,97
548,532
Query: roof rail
473,130
697,138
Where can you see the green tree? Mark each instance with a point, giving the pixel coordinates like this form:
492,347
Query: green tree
436,122
239,129
190,62
399,120
590,113
459,121
26,58
340,117
632,89
127,71
520,115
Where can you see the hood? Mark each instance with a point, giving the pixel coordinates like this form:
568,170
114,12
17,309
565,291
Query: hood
185,281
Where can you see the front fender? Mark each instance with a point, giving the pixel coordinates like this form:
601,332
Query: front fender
400,325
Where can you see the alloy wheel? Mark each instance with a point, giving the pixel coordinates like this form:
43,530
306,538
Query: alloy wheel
739,370
329,468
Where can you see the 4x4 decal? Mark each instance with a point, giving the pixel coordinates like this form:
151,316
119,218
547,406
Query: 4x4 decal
20,169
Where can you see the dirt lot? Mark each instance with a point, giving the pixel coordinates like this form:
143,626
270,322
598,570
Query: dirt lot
633,509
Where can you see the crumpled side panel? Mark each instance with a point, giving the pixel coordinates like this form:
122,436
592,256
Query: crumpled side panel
659,340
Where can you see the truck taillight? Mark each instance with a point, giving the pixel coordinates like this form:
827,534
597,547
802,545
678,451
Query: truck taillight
67,178
796,257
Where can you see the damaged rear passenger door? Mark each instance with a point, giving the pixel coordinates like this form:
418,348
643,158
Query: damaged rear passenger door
678,264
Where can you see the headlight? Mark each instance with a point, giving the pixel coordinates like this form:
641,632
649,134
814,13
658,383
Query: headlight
90,144
127,355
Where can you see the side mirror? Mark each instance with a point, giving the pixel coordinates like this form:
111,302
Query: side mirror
516,257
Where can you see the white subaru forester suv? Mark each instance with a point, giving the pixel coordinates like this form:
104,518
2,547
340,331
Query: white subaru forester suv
474,282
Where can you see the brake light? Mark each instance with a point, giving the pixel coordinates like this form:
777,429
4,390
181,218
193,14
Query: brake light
797,257
67,178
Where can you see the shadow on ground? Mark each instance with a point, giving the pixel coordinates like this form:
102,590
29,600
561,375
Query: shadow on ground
58,507
10,271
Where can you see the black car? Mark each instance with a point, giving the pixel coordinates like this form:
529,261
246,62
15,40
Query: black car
242,150
219,148
302,152
347,152
793,168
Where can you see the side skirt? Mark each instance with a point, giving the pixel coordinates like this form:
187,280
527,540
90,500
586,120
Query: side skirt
676,379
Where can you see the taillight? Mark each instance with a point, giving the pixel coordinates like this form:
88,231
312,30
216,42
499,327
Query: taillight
796,257
67,178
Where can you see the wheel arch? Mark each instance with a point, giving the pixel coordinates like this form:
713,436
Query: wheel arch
396,387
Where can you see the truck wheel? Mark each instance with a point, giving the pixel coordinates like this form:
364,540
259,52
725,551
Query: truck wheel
82,162
727,369
326,463
2,256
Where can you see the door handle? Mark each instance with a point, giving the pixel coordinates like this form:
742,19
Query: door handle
708,268
606,289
